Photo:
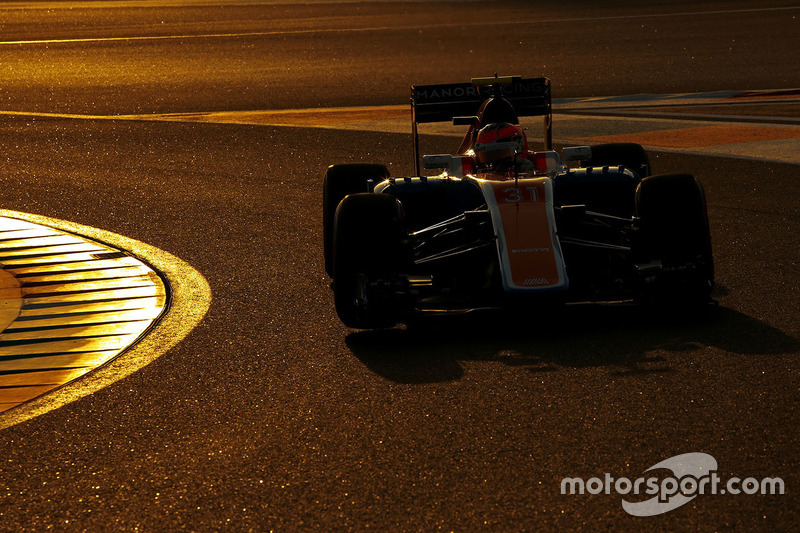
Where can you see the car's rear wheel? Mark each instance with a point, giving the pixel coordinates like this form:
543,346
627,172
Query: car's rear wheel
370,251
673,246
629,155
338,182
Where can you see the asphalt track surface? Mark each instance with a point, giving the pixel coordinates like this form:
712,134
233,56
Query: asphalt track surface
271,414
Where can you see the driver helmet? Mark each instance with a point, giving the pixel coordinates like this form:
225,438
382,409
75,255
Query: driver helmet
499,141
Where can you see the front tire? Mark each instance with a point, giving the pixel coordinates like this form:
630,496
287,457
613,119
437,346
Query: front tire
370,251
338,182
674,231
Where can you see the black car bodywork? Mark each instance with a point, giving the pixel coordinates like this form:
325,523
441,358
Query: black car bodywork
598,229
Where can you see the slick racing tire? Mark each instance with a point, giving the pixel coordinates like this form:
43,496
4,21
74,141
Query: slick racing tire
674,231
338,182
629,155
370,249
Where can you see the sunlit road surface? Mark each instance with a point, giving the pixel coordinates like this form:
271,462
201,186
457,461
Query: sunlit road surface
69,306
726,127
762,125
183,56
272,415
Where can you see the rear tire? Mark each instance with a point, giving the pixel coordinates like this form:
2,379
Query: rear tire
629,155
674,230
338,182
370,250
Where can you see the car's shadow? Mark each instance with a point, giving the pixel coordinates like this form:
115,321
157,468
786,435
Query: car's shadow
627,339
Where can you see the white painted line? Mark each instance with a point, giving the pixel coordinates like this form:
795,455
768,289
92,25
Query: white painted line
749,97
713,117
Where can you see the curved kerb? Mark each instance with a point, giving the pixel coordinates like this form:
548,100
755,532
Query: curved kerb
173,311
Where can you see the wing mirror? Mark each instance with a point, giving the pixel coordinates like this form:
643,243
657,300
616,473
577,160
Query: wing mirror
577,153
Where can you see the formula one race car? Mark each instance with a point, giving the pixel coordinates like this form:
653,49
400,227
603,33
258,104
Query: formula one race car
502,226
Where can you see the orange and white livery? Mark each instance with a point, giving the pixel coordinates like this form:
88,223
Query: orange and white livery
527,242
591,226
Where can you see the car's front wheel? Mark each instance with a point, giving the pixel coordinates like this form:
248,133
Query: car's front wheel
338,182
673,246
370,253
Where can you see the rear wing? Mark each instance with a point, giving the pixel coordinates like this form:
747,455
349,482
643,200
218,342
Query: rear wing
530,97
